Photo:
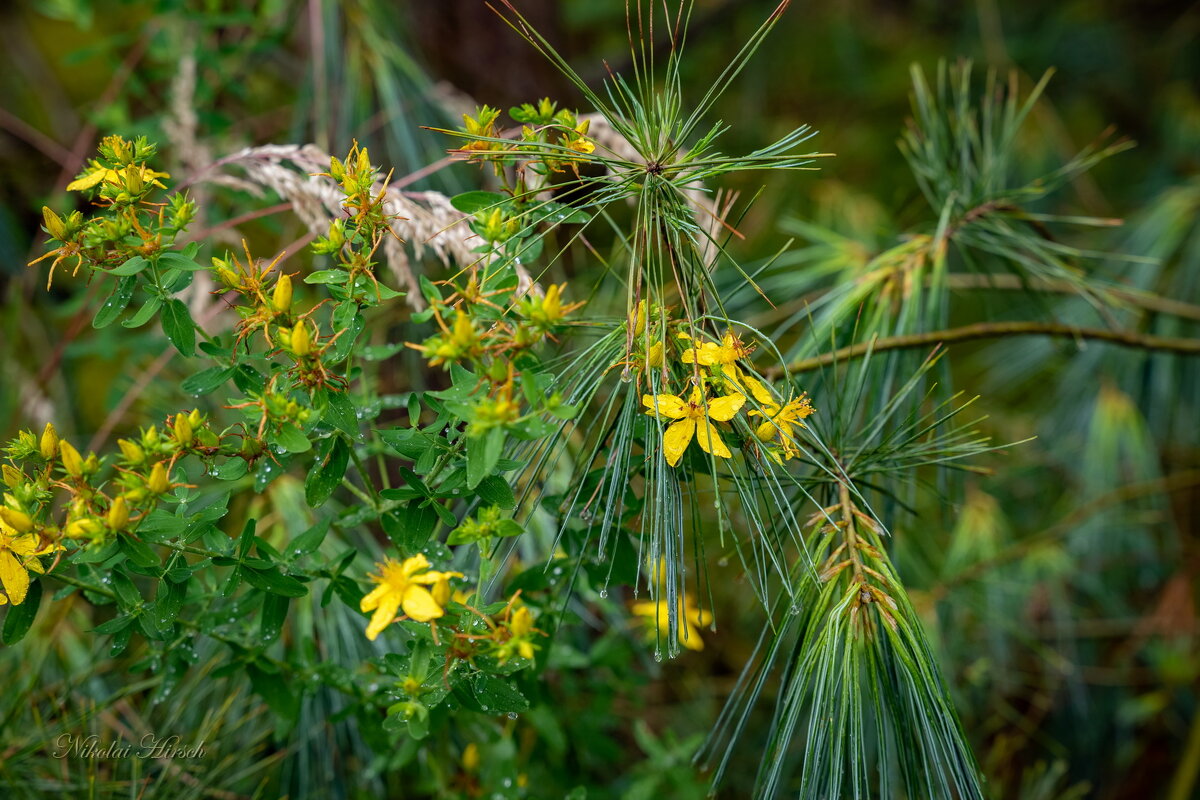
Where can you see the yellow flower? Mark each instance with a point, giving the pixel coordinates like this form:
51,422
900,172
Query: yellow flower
577,140
694,418
690,619
710,354
97,173
781,421
400,587
18,557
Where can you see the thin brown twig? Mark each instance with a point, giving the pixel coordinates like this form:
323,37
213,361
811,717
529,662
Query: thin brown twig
991,330
32,136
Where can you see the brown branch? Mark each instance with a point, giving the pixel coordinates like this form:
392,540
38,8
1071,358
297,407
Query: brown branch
991,330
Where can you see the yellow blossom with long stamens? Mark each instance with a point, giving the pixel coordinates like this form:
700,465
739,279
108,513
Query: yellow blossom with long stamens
710,354
781,422
694,418
401,586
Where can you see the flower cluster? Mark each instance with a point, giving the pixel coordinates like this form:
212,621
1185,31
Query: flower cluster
47,472
722,385
551,139
423,594
120,182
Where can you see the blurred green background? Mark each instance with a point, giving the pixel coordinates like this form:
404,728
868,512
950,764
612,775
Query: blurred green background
1091,692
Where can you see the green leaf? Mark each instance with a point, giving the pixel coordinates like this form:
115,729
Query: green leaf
246,540
498,695
20,618
310,540
483,452
143,315
138,552
495,491
118,623
341,414
178,261
274,692
410,527
327,276
326,474
128,597
231,470
131,267
291,439
274,612
168,602
474,202
115,303
348,323
178,326
206,380
273,581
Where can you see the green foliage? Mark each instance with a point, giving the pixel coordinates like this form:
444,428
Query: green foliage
580,423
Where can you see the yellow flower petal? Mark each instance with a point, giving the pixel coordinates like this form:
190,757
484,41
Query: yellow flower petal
26,545
414,564
372,600
710,440
722,409
690,638
89,180
388,606
677,438
664,405
420,605
14,577
433,576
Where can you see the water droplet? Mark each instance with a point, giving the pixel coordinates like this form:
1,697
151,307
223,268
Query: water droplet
657,653
603,593
511,715
723,562
481,705
626,375
558,570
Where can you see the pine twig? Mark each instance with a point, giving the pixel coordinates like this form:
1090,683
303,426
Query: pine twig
991,330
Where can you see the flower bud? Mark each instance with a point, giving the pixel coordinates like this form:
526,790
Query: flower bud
521,623
195,417
158,482
183,430
13,477
71,460
281,299
83,529
301,340
54,224
118,513
133,452
17,520
49,442
228,277
150,438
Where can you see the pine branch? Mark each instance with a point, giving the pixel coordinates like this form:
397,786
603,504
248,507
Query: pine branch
990,330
